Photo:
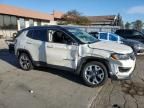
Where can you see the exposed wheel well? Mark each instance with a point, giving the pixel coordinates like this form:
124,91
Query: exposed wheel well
20,51
103,61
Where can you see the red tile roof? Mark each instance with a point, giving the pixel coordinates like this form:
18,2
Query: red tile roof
11,10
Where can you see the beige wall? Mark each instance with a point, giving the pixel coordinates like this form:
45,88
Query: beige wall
27,23
7,33
49,23
35,23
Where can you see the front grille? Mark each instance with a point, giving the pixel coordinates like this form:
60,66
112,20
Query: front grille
132,56
124,69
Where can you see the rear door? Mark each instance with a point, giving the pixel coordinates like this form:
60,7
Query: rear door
35,44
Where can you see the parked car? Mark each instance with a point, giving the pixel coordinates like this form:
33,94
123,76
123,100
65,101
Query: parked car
72,49
137,46
95,34
131,34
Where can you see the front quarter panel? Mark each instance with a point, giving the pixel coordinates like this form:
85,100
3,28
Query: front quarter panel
101,53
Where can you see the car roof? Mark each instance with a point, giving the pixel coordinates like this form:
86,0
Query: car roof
63,28
104,32
41,27
94,32
125,30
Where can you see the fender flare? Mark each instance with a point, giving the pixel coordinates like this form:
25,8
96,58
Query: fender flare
87,59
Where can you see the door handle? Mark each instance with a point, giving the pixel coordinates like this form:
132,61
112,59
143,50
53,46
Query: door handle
49,46
28,42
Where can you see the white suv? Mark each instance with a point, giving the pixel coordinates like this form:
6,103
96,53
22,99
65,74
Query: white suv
71,49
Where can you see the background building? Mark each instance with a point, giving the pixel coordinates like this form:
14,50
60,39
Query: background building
110,20
13,19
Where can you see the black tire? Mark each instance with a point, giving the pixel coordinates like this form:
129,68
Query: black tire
94,74
25,64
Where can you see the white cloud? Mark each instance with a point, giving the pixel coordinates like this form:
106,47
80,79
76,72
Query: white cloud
136,10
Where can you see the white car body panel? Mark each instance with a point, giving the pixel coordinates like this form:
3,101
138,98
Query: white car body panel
111,47
61,54
70,55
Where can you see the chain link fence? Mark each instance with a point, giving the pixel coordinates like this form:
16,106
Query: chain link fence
97,28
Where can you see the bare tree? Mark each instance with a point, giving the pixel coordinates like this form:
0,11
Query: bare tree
138,24
75,17
127,25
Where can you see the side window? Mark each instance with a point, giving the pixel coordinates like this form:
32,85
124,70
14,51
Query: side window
40,34
57,36
103,36
129,34
30,34
113,37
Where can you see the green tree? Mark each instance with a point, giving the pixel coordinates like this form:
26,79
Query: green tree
75,17
138,24
127,25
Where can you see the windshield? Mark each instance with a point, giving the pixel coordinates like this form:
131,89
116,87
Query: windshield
84,37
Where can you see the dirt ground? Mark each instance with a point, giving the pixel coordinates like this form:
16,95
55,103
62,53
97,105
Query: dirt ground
41,87
123,94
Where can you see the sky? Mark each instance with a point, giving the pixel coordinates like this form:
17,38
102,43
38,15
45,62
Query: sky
130,10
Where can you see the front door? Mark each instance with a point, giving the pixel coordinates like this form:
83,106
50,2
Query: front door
60,50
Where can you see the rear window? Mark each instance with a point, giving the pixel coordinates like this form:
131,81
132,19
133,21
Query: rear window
129,34
120,32
125,33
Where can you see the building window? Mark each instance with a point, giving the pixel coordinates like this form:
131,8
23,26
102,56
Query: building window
13,22
8,22
39,23
22,23
1,21
31,22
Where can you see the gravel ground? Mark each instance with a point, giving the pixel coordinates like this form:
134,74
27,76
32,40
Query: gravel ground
40,88
123,94
46,88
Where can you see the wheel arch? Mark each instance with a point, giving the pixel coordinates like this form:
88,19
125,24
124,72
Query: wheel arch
19,51
85,60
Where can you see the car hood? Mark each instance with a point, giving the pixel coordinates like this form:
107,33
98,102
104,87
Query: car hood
111,46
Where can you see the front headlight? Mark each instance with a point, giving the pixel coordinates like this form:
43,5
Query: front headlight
116,56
